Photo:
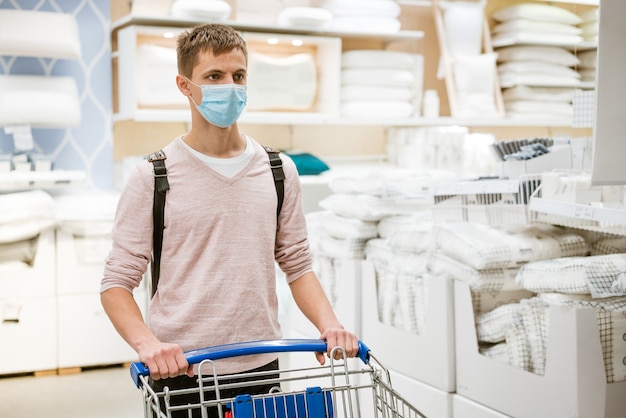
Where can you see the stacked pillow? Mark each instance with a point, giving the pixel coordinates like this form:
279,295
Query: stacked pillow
379,83
536,23
590,25
538,71
364,15
538,81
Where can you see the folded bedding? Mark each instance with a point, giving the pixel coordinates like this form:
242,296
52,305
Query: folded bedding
544,94
536,26
373,108
599,275
487,280
506,246
367,93
532,318
514,78
549,54
535,37
391,225
348,228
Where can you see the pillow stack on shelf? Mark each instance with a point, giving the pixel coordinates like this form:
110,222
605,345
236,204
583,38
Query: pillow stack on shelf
588,65
538,81
379,16
533,23
535,64
380,83
590,25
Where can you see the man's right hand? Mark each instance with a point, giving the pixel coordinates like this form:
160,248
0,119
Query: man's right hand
165,360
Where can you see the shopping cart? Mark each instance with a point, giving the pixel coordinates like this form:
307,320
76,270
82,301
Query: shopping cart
340,389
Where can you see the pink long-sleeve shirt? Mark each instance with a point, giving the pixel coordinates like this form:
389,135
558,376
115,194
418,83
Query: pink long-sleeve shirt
220,243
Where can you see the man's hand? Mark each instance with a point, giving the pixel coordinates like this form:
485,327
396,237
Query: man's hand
338,337
165,360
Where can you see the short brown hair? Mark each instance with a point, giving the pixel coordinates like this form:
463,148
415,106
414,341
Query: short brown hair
212,37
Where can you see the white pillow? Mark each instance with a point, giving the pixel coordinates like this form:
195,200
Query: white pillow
382,109
553,54
39,101
510,79
534,37
39,34
356,92
538,67
535,25
591,15
377,77
369,58
297,86
210,10
304,17
548,94
362,8
533,11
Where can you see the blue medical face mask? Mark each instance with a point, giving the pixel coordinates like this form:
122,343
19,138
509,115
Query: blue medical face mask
221,103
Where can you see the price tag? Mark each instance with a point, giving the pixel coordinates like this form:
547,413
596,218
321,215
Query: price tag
584,212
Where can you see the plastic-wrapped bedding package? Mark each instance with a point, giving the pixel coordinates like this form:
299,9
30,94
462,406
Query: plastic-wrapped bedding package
599,276
506,246
490,288
402,294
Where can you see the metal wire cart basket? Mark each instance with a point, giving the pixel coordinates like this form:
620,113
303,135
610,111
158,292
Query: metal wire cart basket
344,388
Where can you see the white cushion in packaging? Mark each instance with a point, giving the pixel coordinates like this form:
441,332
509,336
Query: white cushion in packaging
533,11
382,109
366,24
39,101
357,93
39,34
372,58
296,87
523,67
551,54
535,25
548,94
156,84
304,17
211,10
514,78
377,77
381,8
534,38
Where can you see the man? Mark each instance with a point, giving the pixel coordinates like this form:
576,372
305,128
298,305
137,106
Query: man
222,236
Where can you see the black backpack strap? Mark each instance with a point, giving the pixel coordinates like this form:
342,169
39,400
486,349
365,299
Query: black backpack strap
279,175
161,186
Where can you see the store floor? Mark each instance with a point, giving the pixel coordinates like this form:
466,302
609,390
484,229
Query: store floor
98,393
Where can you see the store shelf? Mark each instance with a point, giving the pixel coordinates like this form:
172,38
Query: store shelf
292,118
28,180
166,21
577,215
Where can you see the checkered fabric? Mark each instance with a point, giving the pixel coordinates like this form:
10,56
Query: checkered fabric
600,275
487,247
488,281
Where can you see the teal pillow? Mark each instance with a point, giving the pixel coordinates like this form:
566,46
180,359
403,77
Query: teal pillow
307,164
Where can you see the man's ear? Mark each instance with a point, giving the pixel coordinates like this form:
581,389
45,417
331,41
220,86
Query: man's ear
183,85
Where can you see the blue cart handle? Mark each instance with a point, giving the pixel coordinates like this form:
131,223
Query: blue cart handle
248,348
